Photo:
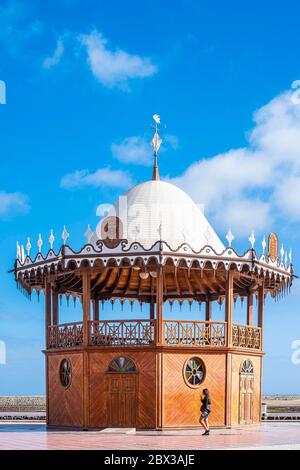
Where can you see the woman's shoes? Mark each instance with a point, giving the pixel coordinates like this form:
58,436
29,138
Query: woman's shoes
206,433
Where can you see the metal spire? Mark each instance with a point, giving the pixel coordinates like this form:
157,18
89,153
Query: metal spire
156,143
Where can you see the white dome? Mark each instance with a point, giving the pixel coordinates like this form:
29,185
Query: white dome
156,210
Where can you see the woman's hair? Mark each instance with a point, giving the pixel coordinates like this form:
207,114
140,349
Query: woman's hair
206,393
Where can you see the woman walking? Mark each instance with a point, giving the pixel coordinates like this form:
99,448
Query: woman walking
205,410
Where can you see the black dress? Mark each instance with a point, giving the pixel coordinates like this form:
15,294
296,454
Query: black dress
205,408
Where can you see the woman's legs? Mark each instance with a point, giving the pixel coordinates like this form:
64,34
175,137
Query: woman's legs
206,423
203,423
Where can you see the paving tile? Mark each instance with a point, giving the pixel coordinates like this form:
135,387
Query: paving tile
36,436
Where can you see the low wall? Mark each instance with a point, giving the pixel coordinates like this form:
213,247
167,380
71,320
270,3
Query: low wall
30,404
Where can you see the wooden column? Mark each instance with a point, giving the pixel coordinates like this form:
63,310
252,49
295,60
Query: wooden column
159,340
86,307
96,310
250,309
152,310
86,304
159,306
47,310
228,307
261,301
228,319
54,306
208,309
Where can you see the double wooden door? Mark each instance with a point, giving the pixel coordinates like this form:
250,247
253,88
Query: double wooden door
121,400
246,398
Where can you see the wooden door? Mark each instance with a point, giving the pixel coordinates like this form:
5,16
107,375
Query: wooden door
246,398
121,406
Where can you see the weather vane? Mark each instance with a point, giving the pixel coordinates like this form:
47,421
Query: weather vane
156,143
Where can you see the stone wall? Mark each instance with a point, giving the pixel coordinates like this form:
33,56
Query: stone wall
35,403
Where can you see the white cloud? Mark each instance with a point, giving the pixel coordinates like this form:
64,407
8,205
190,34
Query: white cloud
114,67
100,178
138,150
255,186
53,60
133,149
12,204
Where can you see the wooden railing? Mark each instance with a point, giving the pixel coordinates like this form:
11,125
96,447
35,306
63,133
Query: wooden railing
121,332
142,332
246,336
66,335
197,333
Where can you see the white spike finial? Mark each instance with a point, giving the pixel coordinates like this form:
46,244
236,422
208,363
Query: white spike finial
22,254
28,246
51,239
18,251
252,239
229,237
65,235
282,252
286,259
88,233
264,244
290,255
40,243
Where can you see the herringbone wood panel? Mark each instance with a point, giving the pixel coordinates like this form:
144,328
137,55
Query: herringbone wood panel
181,404
65,405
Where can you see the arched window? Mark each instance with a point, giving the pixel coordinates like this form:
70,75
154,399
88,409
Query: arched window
247,367
194,372
65,373
122,365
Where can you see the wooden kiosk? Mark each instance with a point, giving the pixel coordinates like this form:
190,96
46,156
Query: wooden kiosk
149,373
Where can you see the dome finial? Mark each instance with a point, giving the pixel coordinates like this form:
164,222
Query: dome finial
156,143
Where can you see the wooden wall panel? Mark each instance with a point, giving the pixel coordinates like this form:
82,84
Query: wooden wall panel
237,360
146,406
181,404
65,405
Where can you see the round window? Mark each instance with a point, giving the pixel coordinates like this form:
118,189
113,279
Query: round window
194,372
65,372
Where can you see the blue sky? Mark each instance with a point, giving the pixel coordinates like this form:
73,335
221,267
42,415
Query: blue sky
82,83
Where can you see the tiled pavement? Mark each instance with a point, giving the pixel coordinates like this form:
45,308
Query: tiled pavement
36,436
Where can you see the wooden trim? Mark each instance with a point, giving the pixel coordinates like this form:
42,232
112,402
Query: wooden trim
86,305
208,309
86,395
250,309
55,308
261,306
159,306
228,307
228,389
96,310
261,300
152,311
47,309
159,390
165,348
47,389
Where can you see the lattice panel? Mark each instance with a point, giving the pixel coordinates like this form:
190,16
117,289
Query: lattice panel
120,333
